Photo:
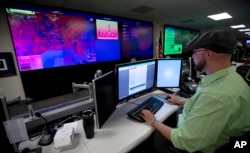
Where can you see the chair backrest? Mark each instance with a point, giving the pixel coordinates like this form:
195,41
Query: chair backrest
244,71
236,145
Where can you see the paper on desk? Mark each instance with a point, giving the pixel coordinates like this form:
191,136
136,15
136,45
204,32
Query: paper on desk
16,130
72,125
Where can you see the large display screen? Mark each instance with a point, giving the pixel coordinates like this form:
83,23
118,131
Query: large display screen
45,38
137,39
176,39
106,29
71,45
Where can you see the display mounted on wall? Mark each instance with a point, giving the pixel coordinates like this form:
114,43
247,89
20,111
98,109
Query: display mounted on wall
7,67
176,40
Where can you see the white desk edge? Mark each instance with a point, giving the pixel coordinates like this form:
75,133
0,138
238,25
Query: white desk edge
118,135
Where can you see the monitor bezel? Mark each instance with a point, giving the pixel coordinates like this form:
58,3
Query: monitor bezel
156,72
117,66
99,125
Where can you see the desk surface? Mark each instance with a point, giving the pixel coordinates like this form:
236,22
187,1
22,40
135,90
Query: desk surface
118,135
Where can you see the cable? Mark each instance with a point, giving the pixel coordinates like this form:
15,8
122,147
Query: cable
38,135
133,103
60,123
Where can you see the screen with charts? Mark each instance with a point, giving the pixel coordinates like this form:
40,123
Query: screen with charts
106,29
104,97
135,78
168,73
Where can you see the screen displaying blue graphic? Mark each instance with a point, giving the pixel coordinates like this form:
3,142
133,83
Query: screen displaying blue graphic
168,73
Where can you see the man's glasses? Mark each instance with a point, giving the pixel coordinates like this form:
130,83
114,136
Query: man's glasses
196,51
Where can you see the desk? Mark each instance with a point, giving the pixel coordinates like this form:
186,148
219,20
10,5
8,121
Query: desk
119,134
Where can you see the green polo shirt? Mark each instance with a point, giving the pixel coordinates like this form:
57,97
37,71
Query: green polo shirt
219,109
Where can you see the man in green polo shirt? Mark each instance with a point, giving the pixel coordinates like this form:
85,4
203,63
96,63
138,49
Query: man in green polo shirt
220,108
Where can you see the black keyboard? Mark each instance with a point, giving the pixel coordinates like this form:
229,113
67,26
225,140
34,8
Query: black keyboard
153,104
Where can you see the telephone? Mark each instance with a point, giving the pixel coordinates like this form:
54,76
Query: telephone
35,150
187,89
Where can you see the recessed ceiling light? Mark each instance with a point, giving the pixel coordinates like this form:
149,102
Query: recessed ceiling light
220,16
244,30
238,26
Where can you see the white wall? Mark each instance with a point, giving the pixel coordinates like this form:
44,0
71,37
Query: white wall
11,86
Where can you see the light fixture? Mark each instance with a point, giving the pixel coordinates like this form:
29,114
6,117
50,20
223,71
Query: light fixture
244,30
238,26
220,16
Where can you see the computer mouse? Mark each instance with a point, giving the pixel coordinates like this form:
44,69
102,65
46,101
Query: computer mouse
168,102
168,97
25,150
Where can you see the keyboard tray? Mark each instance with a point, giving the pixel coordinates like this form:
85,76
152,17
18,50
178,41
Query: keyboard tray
153,104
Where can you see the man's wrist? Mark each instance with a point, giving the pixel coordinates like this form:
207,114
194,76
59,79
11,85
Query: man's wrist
153,121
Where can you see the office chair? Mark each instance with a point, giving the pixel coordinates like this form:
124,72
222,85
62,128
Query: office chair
230,147
133,60
244,71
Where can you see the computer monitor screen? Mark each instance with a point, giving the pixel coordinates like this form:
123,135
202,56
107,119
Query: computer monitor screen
176,39
248,42
135,78
168,73
104,97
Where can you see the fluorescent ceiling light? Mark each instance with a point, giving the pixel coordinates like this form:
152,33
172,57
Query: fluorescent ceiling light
238,26
244,30
248,33
220,16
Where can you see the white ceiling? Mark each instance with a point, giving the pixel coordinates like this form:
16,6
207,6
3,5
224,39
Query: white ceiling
183,13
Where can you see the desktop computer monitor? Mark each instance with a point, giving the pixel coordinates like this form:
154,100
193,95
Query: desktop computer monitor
168,73
135,78
104,97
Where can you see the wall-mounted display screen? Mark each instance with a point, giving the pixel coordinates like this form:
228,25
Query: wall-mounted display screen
176,39
64,44
45,38
137,39
106,29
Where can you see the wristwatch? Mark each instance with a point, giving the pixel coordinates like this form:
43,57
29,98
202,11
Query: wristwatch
153,121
